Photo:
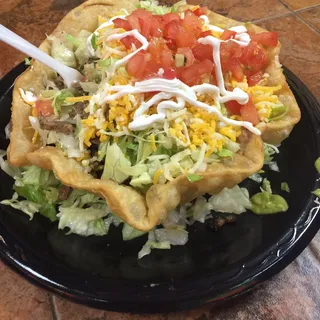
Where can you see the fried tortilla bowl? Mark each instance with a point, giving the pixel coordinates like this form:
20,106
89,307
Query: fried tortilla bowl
275,131
141,212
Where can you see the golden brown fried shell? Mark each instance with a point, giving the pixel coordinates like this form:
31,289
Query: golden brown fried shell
273,132
141,212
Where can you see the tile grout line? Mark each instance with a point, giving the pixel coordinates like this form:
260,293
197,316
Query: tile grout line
55,315
301,18
272,17
307,8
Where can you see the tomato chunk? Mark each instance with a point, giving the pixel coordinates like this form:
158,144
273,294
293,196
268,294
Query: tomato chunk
187,52
136,65
269,39
44,108
233,107
128,41
249,112
255,78
168,17
171,30
121,23
254,58
192,75
192,23
201,11
205,34
185,39
236,69
203,52
228,34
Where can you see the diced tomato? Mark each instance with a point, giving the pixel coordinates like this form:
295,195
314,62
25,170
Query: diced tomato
205,34
141,13
134,22
229,50
202,52
169,73
129,40
152,69
185,39
254,58
155,27
235,67
192,23
44,108
269,39
171,30
201,11
249,112
233,106
166,58
171,44
192,75
187,52
122,23
228,34
160,52
145,28
168,17
136,65
255,78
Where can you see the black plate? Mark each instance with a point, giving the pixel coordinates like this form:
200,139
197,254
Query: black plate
104,272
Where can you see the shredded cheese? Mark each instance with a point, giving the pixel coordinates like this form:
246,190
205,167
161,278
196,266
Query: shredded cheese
78,99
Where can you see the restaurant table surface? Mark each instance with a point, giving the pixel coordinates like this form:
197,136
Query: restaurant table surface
292,294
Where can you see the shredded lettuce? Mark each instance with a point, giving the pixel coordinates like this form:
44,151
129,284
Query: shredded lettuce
146,249
274,166
94,41
142,180
278,112
60,99
256,177
75,42
317,165
28,207
39,187
82,198
27,61
316,192
38,195
129,233
82,53
235,200
176,237
9,170
285,187
113,168
224,153
91,87
62,53
153,6
37,176
269,151
194,177
200,210
84,222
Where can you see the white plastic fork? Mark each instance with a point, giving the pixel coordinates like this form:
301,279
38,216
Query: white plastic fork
69,75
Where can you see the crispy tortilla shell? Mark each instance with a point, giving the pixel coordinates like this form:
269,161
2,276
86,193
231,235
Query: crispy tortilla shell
141,212
276,131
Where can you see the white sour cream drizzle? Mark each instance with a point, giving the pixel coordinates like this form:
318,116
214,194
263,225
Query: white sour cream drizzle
103,25
171,88
175,88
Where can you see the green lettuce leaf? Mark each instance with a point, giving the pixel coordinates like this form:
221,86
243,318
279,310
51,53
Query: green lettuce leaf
84,222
